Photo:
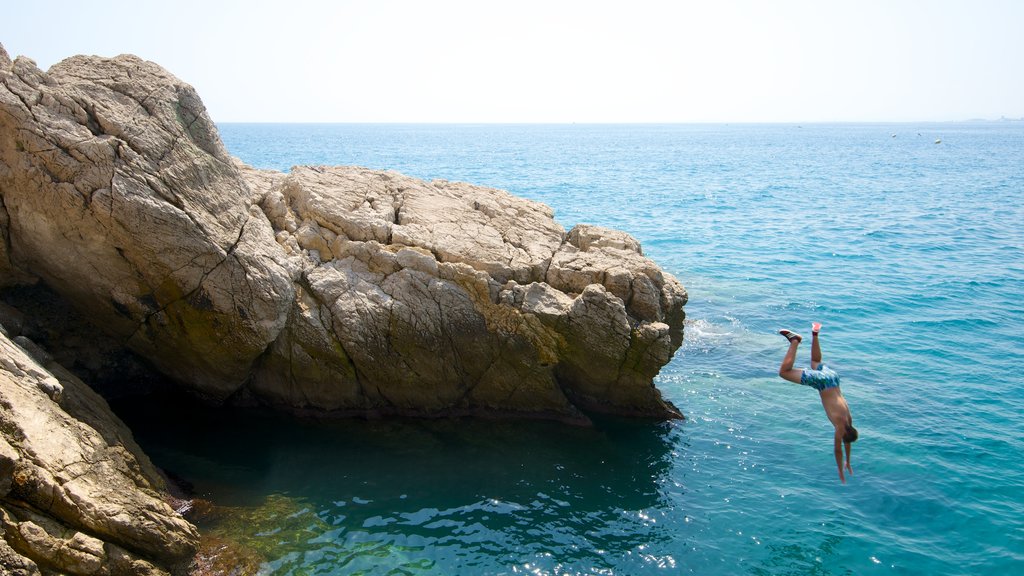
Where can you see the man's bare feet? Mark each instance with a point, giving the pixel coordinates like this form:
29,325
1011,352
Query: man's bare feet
791,336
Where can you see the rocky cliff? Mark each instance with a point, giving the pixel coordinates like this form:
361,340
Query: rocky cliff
333,289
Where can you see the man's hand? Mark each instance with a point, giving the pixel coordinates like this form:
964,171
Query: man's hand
842,477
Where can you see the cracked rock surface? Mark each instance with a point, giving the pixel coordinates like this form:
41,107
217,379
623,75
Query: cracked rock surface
336,289
77,495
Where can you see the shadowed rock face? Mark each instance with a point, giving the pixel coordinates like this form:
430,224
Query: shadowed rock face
328,288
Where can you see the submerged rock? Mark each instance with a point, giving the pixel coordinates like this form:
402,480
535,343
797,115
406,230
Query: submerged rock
334,289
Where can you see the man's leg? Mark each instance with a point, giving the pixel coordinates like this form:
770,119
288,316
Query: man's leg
786,370
815,350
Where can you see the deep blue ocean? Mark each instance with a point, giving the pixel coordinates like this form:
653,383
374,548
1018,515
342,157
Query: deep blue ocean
910,252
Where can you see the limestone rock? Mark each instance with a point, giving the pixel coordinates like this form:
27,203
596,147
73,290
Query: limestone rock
327,288
76,493
450,298
118,193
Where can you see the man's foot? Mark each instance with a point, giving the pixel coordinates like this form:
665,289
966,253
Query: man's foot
791,336
816,327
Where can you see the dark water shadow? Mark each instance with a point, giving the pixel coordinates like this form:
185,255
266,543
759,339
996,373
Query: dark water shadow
233,455
462,489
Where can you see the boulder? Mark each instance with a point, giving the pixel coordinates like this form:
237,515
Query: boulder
77,495
336,289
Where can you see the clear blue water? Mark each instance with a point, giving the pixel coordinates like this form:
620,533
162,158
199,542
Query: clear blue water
910,253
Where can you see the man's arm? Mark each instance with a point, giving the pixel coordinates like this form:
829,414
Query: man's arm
839,455
848,468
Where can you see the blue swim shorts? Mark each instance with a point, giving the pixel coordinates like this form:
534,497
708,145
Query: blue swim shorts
820,379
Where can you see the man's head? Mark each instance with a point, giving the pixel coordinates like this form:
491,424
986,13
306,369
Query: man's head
850,435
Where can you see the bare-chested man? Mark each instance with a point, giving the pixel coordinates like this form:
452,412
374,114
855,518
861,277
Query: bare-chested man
826,382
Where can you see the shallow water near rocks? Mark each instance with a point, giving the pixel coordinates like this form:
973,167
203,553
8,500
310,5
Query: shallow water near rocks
910,253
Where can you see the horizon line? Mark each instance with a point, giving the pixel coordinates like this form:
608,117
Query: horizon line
613,123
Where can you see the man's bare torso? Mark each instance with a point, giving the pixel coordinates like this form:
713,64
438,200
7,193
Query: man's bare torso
836,408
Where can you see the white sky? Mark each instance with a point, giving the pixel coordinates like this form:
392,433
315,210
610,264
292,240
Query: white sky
557,61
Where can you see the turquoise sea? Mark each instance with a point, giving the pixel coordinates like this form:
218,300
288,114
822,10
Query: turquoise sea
910,252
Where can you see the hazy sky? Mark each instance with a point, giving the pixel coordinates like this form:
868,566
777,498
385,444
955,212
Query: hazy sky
557,61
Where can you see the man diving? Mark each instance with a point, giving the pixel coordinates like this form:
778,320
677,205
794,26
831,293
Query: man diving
826,381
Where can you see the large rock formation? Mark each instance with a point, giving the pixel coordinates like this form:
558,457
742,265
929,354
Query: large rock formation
77,496
327,288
